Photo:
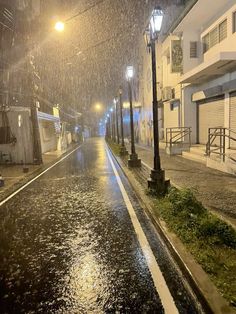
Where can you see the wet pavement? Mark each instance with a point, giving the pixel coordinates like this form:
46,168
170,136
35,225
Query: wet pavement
215,189
69,245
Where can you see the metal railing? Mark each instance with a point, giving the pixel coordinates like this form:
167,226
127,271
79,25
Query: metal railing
178,135
216,143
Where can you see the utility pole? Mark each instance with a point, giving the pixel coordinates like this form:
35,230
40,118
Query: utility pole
37,151
123,150
133,160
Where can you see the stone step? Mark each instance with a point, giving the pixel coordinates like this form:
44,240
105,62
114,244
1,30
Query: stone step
198,150
195,157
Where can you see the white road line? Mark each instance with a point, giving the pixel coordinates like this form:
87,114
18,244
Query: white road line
35,178
159,281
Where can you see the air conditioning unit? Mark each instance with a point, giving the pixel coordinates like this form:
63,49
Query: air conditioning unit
167,93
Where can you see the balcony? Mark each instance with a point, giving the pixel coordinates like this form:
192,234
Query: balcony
220,64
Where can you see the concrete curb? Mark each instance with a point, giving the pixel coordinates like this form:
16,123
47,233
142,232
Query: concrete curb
33,174
199,281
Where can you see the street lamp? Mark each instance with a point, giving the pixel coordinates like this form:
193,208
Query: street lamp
133,160
117,124
97,109
123,150
59,26
113,136
157,180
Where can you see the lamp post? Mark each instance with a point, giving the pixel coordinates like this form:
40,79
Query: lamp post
113,136
108,126
157,180
117,124
133,160
123,150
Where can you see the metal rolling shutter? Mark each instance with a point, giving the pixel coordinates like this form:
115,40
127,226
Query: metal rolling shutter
210,115
232,117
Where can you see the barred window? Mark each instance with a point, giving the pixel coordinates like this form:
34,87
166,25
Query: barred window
206,43
234,22
214,37
193,49
223,30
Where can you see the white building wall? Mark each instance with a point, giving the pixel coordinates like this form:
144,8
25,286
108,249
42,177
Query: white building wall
21,152
195,32
169,78
189,111
48,136
190,63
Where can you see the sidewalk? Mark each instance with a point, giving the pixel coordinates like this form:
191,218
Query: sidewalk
13,174
215,189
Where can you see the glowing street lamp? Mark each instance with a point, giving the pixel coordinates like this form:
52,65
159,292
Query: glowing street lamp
98,107
156,21
59,26
129,73
157,180
133,160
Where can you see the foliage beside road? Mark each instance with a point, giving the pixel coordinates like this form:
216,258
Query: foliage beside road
211,241
114,147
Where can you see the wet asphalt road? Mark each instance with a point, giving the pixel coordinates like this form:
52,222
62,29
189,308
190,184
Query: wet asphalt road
68,245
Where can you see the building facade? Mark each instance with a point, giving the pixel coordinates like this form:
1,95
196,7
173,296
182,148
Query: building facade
29,93
196,77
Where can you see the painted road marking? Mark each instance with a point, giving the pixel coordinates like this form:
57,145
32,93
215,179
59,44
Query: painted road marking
159,281
35,178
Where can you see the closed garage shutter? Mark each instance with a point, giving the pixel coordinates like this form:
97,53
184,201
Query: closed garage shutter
232,118
210,115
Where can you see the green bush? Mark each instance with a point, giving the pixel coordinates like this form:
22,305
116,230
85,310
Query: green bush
185,200
211,241
217,229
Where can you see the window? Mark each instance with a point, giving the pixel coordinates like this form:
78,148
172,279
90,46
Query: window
223,30
206,43
214,39
234,22
174,105
216,35
193,49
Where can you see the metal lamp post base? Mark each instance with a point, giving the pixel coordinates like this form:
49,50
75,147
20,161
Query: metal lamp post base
134,161
157,182
123,151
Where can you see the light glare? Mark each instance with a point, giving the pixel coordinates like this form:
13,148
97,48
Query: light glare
59,26
156,20
129,72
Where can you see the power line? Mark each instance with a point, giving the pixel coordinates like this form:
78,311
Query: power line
85,10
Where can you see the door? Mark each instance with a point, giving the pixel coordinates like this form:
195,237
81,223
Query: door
210,115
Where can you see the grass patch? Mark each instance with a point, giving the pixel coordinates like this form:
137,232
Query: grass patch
211,241
114,147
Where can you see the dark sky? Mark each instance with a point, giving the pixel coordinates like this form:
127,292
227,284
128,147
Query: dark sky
97,45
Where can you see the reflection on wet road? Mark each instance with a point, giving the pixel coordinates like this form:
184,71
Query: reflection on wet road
68,245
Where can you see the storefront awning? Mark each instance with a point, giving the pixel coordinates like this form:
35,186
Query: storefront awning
47,117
